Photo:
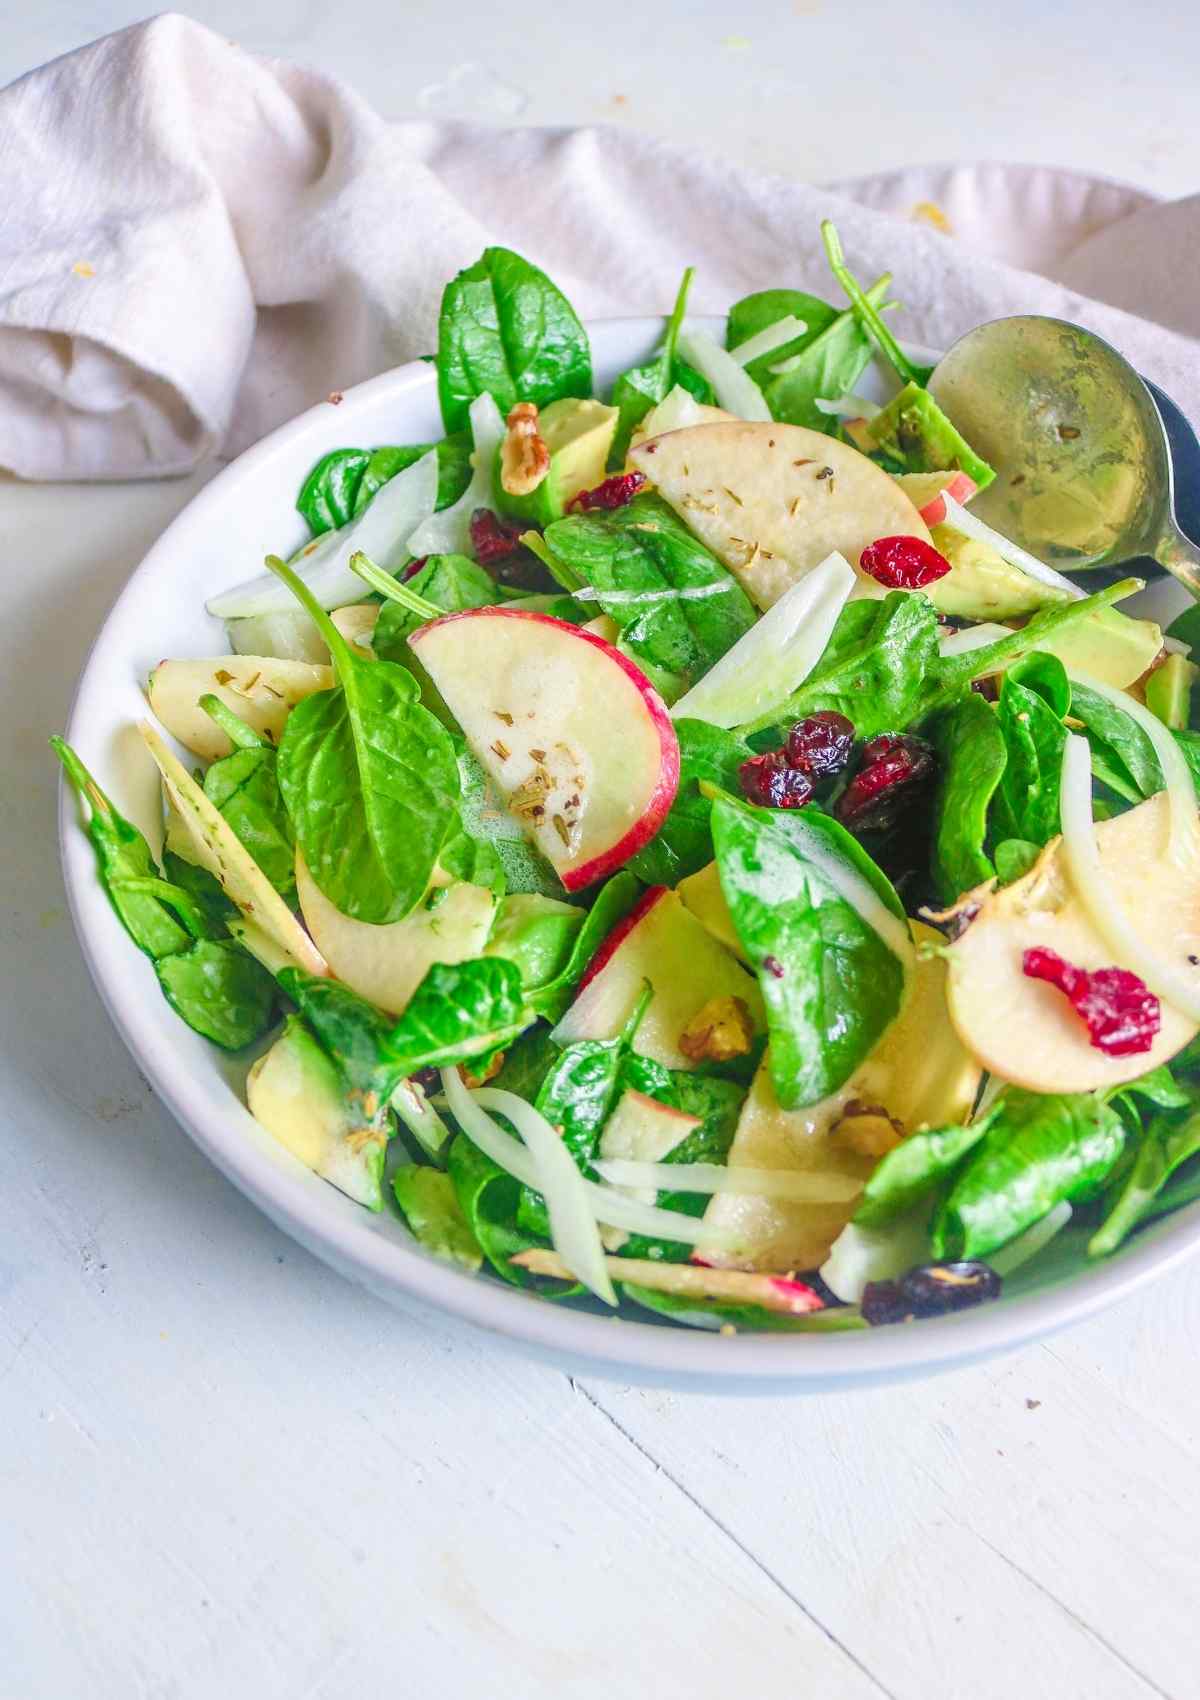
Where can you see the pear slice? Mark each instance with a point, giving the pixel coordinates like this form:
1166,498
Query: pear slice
772,501
260,689
386,964
1024,1030
920,1073
219,849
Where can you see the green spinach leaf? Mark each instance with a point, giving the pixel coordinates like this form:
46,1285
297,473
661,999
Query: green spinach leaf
1014,857
644,550
1167,1144
1035,695
1040,1149
915,1169
756,313
370,779
505,328
538,935
718,1103
451,583
220,991
244,786
327,496
826,364
971,760
830,983
342,482
613,902
430,1205
488,1197
683,844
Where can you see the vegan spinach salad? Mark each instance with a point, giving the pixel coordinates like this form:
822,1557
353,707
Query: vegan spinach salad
674,853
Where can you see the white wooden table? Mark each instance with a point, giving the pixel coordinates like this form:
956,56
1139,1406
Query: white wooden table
227,1473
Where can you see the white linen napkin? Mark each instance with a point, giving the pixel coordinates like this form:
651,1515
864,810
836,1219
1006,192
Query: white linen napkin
195,244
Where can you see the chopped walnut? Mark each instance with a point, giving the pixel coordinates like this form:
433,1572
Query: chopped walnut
721,1029
524,456
490,1072
868,1129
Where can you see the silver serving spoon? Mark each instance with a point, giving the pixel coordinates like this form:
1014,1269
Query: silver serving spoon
1086,472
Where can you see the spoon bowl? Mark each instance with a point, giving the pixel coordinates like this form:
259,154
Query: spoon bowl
1085,470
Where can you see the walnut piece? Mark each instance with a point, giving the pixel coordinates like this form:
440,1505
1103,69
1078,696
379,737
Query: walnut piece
722,1028
868,1129
490,1072
524,456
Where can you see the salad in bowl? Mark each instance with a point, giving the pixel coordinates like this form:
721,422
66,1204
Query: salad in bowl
671,852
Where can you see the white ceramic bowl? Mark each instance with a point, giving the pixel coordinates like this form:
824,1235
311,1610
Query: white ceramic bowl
219,539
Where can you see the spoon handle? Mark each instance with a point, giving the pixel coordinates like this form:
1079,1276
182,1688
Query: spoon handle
1180,556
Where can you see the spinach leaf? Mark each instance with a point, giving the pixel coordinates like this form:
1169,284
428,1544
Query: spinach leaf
830,983
342,482
1014,857
1167,1144
430,1205
537,934
718,1314
917,1167
1034,696
485,821
827,364
1039,1150
450,582
458,1012
203,888
488,1196
613,902
370,780
220,991
124,862
971,760
1186,626
245,787
683,844
718,1103
473,860
867,314
643,387
1159,1088
644,549
527,1062
873,669
756,313
505,328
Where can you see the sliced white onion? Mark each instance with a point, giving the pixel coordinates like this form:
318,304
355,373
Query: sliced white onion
420,1117
636,598
688,1280
972,637
734,389
776,655
795,1187
1028,1244
380,531
861,1255
1181,790
449,532
972,526
1095,891
1175,646
842,406
573,1227
767,341
291,634
678,410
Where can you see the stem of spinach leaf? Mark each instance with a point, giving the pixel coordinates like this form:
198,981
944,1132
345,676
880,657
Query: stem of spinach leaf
339,649
868,314
241,736
387,585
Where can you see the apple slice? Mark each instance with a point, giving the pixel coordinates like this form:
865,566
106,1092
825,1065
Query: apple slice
643,1130
386,964
218,848
662,942
260,689
920,1074
772,501
928,491
1024,1030
574,736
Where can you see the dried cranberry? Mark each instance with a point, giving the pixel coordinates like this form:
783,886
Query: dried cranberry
822,744
615,492
772,783
883,1302
413,568
1121,1012
903,563
892,764
935,1289
492,538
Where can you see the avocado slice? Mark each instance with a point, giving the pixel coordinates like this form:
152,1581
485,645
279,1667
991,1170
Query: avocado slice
913,430
1169,691
982,585
579,436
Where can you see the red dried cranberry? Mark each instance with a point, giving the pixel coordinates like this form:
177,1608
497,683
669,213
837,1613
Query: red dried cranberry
769,781
1121,1012
492,538
615,492
903,563
936,1289
892,764
883,1302
822,744
413,568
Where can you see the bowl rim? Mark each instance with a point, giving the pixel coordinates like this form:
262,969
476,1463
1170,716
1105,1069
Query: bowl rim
397,1269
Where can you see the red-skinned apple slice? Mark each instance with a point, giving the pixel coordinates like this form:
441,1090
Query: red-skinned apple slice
928,491
574,736
662,942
